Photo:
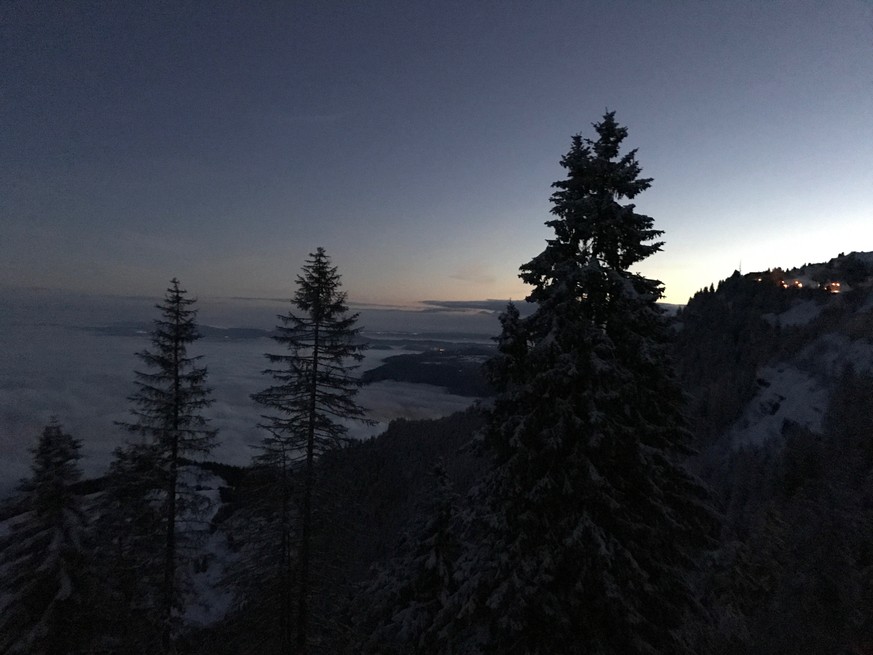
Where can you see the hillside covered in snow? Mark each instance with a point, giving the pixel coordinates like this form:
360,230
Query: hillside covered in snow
765,350
778,367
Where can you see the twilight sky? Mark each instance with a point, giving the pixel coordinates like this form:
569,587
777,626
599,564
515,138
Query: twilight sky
416,141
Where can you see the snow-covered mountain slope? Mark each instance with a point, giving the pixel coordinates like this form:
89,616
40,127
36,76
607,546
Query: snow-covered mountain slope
767,349
786,394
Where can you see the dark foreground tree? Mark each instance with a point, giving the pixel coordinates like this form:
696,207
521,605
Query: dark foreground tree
167,411
593,528
42,558
312,399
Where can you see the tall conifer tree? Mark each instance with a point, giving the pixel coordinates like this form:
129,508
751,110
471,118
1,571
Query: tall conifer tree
167,408
313,396
42,559
593,527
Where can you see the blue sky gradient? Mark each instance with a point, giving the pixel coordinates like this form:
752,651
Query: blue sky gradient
417,141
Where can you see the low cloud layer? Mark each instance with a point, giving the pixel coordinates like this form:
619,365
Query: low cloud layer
51,367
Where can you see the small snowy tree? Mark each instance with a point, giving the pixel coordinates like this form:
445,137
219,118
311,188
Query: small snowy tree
404,604
42,558
128,557
314,395
167,411
592,526
264,525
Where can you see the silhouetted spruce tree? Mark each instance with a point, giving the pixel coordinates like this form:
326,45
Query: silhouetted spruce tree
314,394
167,411
593,528
42,559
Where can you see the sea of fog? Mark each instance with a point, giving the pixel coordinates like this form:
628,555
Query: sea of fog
58,359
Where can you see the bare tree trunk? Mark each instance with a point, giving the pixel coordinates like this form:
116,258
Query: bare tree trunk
170,547
285,622
170,551
309,482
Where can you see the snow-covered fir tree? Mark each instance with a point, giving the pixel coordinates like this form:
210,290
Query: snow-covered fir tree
43,584
312,399
588,528
405,602
129,554
264,526
167,413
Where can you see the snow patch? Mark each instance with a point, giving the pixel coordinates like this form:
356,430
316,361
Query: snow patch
831,353
211,598
786,394
800,313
